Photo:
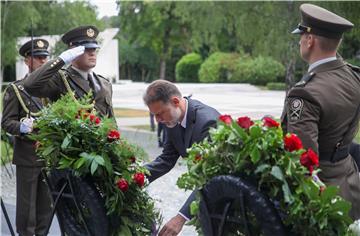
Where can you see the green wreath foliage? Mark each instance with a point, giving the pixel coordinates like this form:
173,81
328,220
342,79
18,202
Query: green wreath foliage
281,168
71,137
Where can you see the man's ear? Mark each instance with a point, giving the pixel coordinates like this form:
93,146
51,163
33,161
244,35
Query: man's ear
310,41
175,101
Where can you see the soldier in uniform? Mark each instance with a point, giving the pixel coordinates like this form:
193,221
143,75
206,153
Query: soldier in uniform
33,202
323,108
52,80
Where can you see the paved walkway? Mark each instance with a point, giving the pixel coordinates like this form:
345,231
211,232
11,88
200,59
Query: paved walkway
234,99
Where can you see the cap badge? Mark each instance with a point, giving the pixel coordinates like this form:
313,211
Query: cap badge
90,32
40,44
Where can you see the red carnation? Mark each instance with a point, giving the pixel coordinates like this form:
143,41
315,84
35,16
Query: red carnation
139,179
268,122
113,135
94,119
198,157
122,185
245,122
292,142
309,159
226,119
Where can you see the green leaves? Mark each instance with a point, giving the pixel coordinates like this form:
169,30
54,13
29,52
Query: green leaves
258,153
255,155
69,140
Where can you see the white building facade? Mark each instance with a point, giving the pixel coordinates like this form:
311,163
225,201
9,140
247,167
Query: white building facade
107,58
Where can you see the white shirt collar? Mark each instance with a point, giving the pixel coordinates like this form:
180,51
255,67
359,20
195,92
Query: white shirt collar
183,122
84,74
319,62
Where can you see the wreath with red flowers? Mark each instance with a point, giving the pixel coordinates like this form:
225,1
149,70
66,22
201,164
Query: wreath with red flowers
70,137
281,168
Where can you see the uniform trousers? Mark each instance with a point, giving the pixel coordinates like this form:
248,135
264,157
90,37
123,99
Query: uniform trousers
33,201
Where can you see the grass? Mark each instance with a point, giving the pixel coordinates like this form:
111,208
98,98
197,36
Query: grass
126,112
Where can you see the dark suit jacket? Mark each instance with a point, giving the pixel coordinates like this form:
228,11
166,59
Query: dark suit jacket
24,148
200,118
46,81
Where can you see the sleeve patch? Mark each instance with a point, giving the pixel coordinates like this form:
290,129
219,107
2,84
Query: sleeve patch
295,108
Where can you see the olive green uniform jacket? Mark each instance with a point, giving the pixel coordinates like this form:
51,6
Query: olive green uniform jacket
47,82
33,202
322,110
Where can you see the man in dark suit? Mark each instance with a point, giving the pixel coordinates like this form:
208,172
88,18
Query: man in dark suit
186,121
323,108
52,81
33,202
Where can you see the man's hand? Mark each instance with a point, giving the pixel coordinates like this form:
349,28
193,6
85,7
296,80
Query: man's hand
173,226
26,125
72,53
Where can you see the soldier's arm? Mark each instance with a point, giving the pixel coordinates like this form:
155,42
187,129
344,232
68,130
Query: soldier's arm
303,118
45,81
10,121
111,110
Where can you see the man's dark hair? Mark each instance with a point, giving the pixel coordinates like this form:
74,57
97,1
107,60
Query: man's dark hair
328,44
160,90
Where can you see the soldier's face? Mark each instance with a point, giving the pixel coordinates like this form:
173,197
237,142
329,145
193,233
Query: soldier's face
166,113
87,60
35,62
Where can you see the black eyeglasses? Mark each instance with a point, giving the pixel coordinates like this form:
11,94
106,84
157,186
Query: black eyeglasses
305,29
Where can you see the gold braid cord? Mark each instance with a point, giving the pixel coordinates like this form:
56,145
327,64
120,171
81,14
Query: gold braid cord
22,103
72,93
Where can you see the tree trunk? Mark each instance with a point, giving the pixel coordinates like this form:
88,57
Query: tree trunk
143,72
291,53
129,71
290,74
162,68
166,45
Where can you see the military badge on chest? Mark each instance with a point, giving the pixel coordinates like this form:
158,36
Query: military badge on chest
295,108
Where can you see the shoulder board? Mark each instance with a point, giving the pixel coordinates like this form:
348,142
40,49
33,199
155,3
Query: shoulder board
15,82
63,69
18,84
305,79
353,67
100,76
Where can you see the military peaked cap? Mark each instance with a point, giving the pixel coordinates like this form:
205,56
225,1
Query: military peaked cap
319,21
39,48
83,35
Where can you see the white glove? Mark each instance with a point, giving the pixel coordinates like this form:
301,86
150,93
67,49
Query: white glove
26,126
72,53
